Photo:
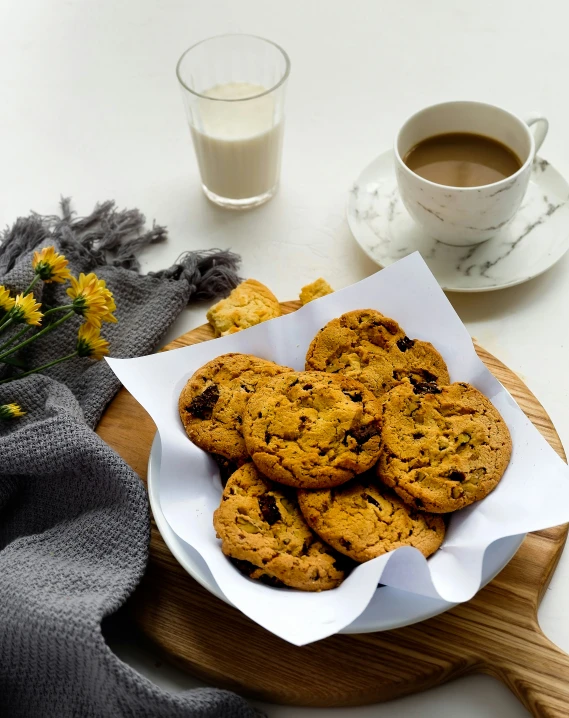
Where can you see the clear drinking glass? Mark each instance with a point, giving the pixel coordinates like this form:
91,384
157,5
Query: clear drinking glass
234,94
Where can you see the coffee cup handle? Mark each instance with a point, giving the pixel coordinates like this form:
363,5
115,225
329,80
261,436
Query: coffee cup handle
540,130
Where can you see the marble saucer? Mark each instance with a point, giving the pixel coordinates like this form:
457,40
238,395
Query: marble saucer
535,240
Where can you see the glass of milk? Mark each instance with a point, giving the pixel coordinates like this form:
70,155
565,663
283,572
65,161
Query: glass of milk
234,93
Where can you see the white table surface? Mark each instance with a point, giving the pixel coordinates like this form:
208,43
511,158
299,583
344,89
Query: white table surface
90,108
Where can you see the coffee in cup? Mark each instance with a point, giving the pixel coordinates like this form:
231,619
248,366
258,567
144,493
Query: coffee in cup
463,168
462,159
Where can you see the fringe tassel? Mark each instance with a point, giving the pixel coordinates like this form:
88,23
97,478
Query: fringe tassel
210,273
109,237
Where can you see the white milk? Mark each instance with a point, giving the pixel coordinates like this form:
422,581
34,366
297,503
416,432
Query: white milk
238,144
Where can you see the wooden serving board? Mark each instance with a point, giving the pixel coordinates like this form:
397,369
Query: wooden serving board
496,632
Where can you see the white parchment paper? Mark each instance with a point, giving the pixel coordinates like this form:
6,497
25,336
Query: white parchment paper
533,494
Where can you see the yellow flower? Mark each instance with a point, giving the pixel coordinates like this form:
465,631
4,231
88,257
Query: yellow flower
91,299
6,301
10,411
90,343
111,306
51,266
26,309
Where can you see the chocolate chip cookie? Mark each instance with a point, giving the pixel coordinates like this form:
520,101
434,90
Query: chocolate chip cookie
211,404
262,528
363,520
373,349
443,447
312,430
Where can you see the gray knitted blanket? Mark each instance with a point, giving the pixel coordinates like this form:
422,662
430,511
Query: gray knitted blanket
74,519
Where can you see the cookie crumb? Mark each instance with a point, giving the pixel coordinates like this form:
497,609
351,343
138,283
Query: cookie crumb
315,290
249,304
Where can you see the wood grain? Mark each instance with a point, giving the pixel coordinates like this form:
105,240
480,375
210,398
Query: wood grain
496,632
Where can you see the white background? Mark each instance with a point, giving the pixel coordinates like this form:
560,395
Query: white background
90,108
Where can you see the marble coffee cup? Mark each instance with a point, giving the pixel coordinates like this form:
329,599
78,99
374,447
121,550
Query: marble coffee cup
464,216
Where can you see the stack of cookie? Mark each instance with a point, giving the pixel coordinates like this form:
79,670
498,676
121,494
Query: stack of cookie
362,453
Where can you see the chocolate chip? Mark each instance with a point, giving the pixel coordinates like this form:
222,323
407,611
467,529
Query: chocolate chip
306,387
267,437
354,396
202,404
415,376
391,326
345,543
371,500
418,435
362,433
426,387
269,509
405,343
426,375
457,476
226,467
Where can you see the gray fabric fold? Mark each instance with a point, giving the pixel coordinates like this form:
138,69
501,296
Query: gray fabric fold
74,518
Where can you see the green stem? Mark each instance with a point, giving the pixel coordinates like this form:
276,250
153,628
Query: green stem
40,368
29,326
46,330
32,285
57,309
16,336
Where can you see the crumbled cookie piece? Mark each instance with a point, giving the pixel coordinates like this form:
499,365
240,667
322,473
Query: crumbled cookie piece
318,288
248,304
